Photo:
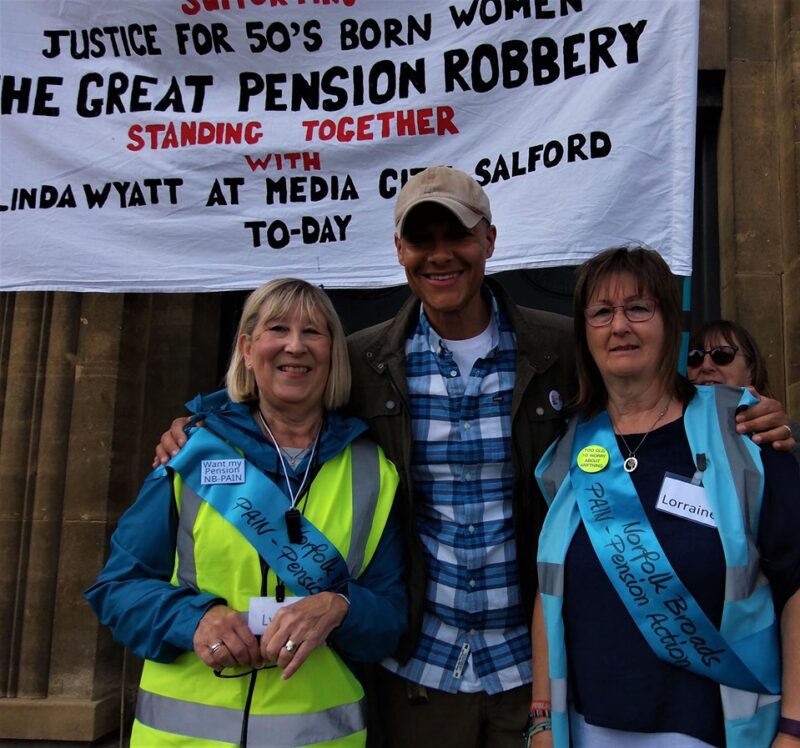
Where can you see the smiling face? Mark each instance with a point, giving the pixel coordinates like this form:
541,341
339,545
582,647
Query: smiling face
625,350
445,265
738,372
290,358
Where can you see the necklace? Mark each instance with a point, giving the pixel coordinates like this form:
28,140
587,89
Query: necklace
631,463
294,455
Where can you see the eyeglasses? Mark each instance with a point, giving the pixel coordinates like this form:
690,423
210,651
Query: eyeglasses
721,355
637,310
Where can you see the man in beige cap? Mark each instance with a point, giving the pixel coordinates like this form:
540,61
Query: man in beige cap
464,391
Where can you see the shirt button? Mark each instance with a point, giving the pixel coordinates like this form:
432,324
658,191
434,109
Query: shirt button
540,411
471,528
471,582
467,476
453,373
390,404
466,427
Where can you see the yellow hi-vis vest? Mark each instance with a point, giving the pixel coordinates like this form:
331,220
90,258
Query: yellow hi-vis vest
183,703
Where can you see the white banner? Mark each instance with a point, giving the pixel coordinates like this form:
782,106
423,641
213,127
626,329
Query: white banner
190,145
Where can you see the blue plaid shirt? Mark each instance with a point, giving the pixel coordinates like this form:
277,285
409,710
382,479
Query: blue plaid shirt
461,466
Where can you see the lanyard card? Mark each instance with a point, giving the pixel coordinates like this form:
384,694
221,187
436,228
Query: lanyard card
262,610
682,498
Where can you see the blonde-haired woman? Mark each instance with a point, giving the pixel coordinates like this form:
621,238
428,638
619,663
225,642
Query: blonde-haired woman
262,556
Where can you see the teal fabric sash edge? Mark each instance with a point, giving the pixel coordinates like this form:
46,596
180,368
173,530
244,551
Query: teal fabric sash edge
667,615
309,567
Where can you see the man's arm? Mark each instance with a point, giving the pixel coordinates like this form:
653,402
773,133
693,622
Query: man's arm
767,422
171,442
175,437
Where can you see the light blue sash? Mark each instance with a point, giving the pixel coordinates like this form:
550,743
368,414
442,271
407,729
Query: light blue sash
668,616
256,508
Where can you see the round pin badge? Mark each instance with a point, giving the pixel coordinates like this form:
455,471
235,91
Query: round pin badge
555,400
592,459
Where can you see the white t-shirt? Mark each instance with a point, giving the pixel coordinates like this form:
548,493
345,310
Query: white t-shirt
467,352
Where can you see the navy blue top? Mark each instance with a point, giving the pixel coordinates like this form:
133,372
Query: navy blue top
616,680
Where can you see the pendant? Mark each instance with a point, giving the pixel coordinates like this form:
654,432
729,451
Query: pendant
630,464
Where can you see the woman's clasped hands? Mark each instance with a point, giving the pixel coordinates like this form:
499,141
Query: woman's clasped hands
223,639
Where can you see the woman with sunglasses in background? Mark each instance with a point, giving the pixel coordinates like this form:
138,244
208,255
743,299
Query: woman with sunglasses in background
724,352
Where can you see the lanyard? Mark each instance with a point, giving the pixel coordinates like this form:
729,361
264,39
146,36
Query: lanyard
292,495
292,515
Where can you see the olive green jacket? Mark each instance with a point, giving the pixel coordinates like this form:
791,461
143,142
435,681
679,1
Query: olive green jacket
379,396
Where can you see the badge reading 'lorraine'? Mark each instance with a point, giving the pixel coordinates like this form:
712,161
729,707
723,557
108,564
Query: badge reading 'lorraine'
215,472
592,459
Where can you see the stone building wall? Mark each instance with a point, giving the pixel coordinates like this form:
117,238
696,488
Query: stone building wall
757,45
87,381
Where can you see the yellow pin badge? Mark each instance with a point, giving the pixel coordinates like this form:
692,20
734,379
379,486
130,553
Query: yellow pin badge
593,459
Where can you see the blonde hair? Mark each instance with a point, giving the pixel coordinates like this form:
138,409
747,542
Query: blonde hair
275,300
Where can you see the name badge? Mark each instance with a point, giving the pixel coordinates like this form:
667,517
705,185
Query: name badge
684,499
262,610
215,472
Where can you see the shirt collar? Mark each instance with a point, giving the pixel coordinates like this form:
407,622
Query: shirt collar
436,343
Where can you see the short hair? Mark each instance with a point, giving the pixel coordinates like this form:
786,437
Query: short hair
274,300
737,336
654,279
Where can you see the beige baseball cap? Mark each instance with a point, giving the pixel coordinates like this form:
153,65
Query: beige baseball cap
454,189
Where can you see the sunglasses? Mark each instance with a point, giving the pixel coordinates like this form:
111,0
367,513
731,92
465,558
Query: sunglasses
721,355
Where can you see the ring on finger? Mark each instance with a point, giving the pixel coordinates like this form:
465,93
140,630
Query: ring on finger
216,646
789,429
290,646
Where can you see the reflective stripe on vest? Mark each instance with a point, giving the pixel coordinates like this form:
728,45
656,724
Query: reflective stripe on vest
365,480
743,573
264,731
187,571
364,460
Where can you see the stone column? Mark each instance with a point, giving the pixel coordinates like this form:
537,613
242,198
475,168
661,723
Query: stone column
87,383
787,32
759,254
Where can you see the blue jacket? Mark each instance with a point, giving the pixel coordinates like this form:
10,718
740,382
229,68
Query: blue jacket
157,621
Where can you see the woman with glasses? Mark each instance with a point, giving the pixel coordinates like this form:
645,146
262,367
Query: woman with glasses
263,556
724,352
669,565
